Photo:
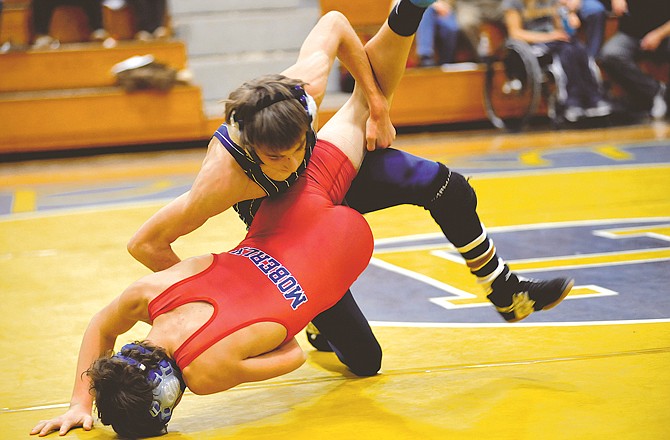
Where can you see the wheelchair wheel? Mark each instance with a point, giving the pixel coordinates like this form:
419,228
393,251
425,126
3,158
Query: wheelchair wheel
513,86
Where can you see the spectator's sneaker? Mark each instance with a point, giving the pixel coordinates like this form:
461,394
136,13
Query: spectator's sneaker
99,35
573,113
45,42
659,107
528,296
602,108
427,61
161,33
315,338
144,36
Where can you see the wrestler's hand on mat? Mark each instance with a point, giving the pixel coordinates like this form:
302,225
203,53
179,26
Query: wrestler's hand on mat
73,418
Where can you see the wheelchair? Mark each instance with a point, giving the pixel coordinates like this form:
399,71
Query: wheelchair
519,78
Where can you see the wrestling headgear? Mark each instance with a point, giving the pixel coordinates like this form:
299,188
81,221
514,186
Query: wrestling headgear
166,379
298,93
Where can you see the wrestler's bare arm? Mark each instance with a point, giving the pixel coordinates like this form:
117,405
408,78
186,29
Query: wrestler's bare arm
116,318
282,360
334,37
387,53
219,184
654,38
515,29
236,367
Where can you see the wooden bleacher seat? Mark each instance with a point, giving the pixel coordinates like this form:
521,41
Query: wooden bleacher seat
69,25
64,68
66,98
85,118
15,23
120,23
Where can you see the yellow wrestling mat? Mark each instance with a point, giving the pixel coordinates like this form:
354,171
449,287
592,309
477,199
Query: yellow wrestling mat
602,376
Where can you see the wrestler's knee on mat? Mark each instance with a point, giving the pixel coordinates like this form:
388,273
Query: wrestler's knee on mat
368,365
365,361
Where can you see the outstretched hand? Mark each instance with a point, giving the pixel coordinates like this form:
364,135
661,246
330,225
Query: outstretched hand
75,417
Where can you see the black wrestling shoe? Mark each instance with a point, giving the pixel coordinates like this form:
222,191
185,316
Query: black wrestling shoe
528,296
315,338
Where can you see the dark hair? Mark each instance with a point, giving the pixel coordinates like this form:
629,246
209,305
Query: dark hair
123,395
276,127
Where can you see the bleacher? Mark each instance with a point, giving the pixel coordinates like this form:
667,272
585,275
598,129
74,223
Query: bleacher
66,98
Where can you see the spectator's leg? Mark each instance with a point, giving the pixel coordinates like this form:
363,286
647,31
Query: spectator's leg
447,38
42,13
566,54
659,107
617,58
425,38
593,16
141,11
158,15
93,10
588,84
149,14
469,19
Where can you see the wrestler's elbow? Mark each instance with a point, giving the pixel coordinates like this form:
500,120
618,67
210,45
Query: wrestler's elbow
141,249
135,247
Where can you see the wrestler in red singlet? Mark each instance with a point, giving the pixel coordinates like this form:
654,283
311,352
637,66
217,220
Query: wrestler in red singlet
301,254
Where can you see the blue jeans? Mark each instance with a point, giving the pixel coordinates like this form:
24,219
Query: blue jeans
149,14
437,35
593,16
582,87
618,58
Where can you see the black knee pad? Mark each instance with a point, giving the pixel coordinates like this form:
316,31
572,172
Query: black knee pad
452,192
364,358
454,208
367,364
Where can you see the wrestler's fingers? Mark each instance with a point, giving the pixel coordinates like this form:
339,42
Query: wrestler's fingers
88,424
371,144
65,427
48,427
37,427
387,140
40,427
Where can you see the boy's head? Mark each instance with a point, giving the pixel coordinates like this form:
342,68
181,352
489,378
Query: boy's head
136,389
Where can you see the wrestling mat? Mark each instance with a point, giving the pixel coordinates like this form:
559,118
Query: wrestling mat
592,204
